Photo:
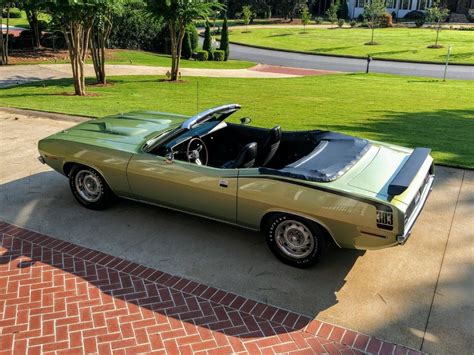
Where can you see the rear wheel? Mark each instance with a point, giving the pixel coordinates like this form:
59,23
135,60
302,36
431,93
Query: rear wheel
89,188
295,240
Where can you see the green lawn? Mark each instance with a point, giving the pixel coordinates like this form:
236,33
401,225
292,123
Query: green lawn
394,43
161,60
135,57
403,110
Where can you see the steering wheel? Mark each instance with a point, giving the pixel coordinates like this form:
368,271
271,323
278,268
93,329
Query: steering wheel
194,151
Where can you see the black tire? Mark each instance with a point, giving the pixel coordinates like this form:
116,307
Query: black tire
303,229
103,196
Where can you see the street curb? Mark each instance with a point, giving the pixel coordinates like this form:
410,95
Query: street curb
46,114
348,56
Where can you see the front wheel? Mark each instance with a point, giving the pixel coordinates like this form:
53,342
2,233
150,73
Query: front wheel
294,240
89,188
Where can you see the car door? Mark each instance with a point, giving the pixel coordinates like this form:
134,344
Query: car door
198,189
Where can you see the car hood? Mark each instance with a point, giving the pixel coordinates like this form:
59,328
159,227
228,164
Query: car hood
130,128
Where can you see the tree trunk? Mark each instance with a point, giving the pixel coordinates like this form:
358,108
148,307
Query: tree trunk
98,43
437,34
2,41
174,52
372,40
5,45
77,39
32,17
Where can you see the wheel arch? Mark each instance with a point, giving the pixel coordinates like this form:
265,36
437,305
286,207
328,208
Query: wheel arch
69,165
266,217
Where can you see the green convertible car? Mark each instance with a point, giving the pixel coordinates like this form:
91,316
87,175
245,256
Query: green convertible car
302,189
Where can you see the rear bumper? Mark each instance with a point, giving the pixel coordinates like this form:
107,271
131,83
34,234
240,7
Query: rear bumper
402,238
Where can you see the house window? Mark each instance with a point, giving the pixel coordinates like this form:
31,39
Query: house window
405,4
423,4
390,4
361,3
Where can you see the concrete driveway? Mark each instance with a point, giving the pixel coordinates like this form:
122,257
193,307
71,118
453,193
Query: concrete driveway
418,295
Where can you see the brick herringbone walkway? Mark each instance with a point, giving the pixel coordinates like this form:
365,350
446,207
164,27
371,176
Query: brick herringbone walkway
57,297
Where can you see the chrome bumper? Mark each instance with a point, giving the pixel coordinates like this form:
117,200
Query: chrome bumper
402,238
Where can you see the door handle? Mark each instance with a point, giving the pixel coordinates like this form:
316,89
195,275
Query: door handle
223,183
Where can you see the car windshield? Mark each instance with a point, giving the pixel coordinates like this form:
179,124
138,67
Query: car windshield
161,138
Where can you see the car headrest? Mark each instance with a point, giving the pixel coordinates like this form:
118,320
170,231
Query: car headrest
246,157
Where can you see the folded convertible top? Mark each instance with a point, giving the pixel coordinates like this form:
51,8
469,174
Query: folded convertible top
335,154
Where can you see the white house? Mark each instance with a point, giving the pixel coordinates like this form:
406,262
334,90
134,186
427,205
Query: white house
400,7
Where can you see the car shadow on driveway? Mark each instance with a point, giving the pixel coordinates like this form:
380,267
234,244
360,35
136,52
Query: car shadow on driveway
211,253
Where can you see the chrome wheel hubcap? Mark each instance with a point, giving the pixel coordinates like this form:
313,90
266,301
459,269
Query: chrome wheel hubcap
88,186
294,239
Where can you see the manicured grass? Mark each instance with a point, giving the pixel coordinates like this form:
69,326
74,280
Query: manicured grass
402,110
394,43
135,57
161,60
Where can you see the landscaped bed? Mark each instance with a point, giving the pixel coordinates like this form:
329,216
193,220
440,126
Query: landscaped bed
394,43
403,110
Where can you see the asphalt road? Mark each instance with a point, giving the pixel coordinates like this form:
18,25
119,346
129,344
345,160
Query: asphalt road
419,294
310,61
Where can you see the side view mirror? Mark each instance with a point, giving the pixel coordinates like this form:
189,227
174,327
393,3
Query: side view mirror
169,157
245,120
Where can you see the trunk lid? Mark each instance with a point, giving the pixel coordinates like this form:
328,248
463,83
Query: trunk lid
376,176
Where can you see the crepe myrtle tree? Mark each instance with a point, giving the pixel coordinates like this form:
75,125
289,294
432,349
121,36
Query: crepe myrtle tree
75,18
100,33
436,15
246,16
32,9
4,8
178,14
305,17
374,11
331,12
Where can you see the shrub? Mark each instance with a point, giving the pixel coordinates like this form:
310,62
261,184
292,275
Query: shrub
193,37
207,44
386,20
353,23
202,56
414,15
340,22
187,51
224,43
318,20
360,18
54,40
132,30
218,55
420,22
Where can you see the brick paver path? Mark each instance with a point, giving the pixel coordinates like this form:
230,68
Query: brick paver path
57,297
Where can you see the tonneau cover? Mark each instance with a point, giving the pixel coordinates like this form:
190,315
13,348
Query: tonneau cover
334,155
